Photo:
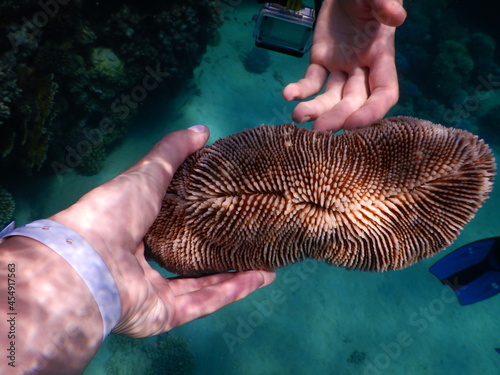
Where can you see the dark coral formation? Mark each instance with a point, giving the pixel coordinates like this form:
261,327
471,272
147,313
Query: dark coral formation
356,357
7,207
489,124
67,66
377,198
447,66
162,354
450,68
9,94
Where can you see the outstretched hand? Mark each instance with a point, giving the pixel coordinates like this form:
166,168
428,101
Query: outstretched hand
114,218
353,53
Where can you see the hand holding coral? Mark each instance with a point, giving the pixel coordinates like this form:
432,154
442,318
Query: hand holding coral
353,53
114,218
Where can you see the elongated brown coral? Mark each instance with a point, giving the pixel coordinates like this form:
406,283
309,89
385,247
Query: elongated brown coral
378,198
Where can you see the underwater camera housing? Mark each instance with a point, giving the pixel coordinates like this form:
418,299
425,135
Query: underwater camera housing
284,30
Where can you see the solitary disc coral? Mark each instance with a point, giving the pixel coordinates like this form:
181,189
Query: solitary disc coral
377,198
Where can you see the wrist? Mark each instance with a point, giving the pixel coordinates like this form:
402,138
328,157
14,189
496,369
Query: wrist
112,255
56,316
84,260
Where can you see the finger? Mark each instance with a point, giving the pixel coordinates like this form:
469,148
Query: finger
389,12
205,301
168,154
384,94
311,84
354,95
375,108
180,285
311,109
187,285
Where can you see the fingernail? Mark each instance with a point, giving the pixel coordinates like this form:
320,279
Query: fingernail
268,277
198,128
305,119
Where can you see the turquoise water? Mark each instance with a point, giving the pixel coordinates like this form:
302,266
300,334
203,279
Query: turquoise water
314,319
317,319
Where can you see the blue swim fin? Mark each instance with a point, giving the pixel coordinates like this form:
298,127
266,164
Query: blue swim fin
472,271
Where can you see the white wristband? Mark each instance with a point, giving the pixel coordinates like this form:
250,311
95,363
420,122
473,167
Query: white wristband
84,260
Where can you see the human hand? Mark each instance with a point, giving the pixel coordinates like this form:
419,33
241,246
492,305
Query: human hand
114,218
353,52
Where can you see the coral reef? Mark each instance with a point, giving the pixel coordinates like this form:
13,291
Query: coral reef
40,113
443,63
9,93
7,207
451,68
106,63
70,66
482,51
92,161
171,354
127,362
489,124
157,355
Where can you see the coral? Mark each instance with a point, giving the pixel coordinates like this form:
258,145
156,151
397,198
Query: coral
405,108
38,117
226,200
7,207
431,108
356,357
128,362
23,40
408,90
172,355
419,61
85,35
482,51
158,355
67,74
256,60
415,28
489,125
402,63
92,162
451,67
29,112
68,62
444,57
106,63
9,93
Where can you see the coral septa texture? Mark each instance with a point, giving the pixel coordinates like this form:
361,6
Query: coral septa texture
377,198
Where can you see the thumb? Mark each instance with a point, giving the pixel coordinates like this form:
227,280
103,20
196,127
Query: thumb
177,146
389,12
167,155
124,207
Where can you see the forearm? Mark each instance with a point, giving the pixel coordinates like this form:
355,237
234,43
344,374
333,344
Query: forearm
53,324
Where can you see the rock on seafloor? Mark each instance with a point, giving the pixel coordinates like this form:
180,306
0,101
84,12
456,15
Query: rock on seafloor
377,198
